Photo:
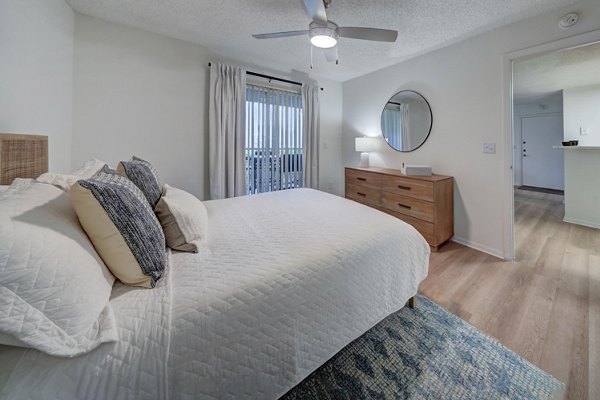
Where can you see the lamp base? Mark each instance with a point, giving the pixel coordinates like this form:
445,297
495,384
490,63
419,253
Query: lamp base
364,160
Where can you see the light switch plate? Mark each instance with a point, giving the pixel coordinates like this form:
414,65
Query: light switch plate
583,131
489,148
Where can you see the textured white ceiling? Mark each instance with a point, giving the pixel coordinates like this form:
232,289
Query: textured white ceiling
541,78
226,26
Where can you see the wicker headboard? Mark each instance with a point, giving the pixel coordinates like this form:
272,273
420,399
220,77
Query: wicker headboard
22,156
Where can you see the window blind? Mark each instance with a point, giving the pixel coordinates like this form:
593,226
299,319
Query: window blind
273,149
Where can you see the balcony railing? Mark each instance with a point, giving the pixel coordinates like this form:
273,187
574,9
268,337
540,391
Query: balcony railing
271,170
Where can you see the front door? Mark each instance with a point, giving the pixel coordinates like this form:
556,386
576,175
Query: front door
543,165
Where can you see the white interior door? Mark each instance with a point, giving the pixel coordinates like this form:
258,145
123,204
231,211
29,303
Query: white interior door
542,166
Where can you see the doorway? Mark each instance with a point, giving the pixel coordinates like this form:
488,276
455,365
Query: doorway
549,93
551,86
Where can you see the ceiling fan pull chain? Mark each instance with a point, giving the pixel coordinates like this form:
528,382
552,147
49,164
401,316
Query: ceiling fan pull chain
311,56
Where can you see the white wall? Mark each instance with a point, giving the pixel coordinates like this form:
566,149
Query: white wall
331,174
582,182
464,85
36,73
137,93
582,186
141,93
582,110
528,110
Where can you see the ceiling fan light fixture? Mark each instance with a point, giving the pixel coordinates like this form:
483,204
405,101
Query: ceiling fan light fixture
323,36
322,41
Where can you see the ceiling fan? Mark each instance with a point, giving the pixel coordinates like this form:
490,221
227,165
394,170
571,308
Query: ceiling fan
325,33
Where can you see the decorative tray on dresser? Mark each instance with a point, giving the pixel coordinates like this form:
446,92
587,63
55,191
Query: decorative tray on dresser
425,202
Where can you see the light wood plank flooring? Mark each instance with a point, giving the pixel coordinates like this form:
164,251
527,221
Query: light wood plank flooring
546,305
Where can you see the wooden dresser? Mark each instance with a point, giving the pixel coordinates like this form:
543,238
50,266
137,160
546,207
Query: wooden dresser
425,202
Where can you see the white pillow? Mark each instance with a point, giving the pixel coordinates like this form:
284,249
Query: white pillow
54,288
65,181
183,218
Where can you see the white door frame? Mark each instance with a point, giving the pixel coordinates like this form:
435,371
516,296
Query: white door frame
519,148
507,122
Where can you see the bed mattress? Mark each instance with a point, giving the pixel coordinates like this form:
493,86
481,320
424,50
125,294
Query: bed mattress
285,281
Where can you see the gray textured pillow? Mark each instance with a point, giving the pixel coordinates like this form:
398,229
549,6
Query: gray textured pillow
183,218
144,176
122,226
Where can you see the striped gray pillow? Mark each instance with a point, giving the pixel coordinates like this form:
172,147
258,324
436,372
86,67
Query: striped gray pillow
145,177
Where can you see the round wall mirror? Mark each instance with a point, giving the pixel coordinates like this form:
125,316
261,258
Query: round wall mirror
406,121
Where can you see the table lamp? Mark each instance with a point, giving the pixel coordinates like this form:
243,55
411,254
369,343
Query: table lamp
364,145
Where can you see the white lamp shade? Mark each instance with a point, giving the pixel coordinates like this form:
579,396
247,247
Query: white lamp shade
365,144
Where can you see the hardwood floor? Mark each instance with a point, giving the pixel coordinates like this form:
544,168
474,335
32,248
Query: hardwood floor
546,305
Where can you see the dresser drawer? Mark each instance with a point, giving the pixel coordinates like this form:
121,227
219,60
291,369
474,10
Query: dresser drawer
363,194
409,187
407,205
426,229
364,178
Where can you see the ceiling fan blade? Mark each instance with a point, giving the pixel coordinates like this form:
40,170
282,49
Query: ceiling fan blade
316,10
275,35
378,35
331,54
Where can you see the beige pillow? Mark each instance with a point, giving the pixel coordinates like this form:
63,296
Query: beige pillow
123,228
183,218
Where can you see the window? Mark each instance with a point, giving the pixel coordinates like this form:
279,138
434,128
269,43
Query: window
273,139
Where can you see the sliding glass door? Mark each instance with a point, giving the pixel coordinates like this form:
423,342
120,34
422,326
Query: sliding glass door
273,139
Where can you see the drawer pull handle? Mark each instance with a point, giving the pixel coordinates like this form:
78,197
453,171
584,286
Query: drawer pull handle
403,206
361,194
404,187
362,179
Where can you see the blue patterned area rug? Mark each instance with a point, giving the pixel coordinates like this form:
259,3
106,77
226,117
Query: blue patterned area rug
426,353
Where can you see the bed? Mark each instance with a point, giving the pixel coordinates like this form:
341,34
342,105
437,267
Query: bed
285,281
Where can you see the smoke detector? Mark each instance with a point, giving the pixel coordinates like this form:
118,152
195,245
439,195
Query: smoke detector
568,20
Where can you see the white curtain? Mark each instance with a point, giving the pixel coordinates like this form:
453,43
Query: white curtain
310,135
404,112
396,125
392,126
226,131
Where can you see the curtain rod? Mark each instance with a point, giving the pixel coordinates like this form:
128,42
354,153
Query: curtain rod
271,77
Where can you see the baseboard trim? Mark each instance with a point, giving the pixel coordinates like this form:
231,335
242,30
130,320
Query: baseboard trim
478,246
582,222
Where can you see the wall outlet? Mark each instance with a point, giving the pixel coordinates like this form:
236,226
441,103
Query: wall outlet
583,131
489,148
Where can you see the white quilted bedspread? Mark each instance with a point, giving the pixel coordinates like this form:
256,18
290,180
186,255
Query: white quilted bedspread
286,280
